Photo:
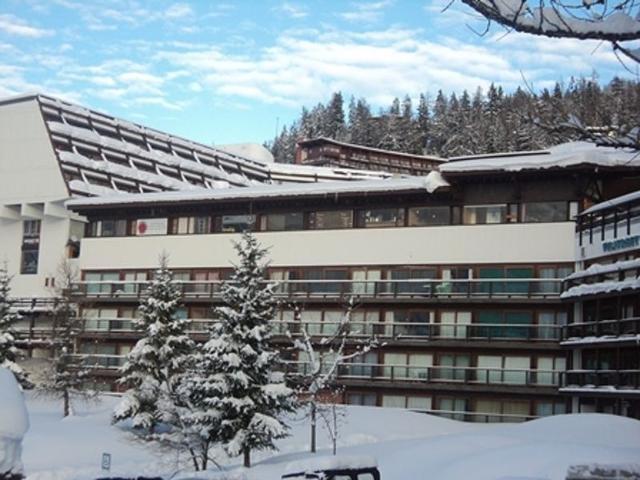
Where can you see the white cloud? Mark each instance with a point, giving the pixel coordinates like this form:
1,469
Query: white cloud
178,10
293,10
365,12
15,26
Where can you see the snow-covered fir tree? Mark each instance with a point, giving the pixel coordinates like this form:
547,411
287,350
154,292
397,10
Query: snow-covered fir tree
154,366
8,350
67,374
241,380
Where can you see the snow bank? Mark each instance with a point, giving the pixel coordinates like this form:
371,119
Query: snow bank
14,423
561,156
406,445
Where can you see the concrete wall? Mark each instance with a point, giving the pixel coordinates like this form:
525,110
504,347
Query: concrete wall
511,243
31,187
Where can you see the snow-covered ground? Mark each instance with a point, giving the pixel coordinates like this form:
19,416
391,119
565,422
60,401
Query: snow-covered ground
407,446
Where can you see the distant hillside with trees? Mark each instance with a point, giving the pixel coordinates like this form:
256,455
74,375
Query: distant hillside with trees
466,123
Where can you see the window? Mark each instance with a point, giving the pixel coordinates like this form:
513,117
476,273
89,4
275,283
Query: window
421,216
410,401
113,228
364,399
415,287
381,217
545,212
407,366
237,223
453,367
201,225
454,324
480,214
30,247
331,219
451,405
410,323
548,370
98,283
549,324
277,222
503,324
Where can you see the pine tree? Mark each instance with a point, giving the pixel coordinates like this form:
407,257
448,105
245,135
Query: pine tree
153,368
243,386
8,349
67,373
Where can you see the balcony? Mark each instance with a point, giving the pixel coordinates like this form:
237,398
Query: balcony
398,331
603,331
340,290
372,373
602,381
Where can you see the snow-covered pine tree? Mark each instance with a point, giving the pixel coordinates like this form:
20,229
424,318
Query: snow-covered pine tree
153,367
8,349
67,371
245,388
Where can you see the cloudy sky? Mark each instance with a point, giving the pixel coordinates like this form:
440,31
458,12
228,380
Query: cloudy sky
231,71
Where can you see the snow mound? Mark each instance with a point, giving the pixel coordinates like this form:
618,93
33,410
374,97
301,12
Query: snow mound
252,151
585,429
14,421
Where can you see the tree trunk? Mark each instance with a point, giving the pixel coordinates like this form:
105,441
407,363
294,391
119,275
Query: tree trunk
313,426
65,401
247,457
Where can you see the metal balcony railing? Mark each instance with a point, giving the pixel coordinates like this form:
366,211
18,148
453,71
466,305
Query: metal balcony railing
437,374
613,380
392,373
502,288
391,331
602,328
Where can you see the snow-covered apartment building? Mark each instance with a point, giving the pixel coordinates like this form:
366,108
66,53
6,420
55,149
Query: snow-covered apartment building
459,272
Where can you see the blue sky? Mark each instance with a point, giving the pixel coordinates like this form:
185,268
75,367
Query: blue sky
226,72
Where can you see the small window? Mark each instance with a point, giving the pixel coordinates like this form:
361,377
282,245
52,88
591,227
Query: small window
421,216
331,219
545,212
201,225
482,214
381,217
283,221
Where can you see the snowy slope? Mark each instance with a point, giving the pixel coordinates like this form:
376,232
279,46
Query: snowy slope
406,445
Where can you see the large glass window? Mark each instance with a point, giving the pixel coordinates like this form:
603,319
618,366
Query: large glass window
113,228
454,324
421,216
545,212
480,214
331,219
453,367
276,222
237,223
381,217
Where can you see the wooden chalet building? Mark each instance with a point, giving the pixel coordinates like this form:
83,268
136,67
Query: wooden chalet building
327,152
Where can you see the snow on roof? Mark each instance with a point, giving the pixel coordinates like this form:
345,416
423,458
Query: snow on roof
614,202
372,149
601,339
588,289
14,421
429,183
598,269
252,151
570,154
318,464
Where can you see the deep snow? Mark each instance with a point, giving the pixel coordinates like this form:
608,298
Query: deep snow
14,422
407,445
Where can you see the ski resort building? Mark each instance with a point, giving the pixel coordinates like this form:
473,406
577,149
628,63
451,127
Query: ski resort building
457,269
458,272
52,150
603,340
328,152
